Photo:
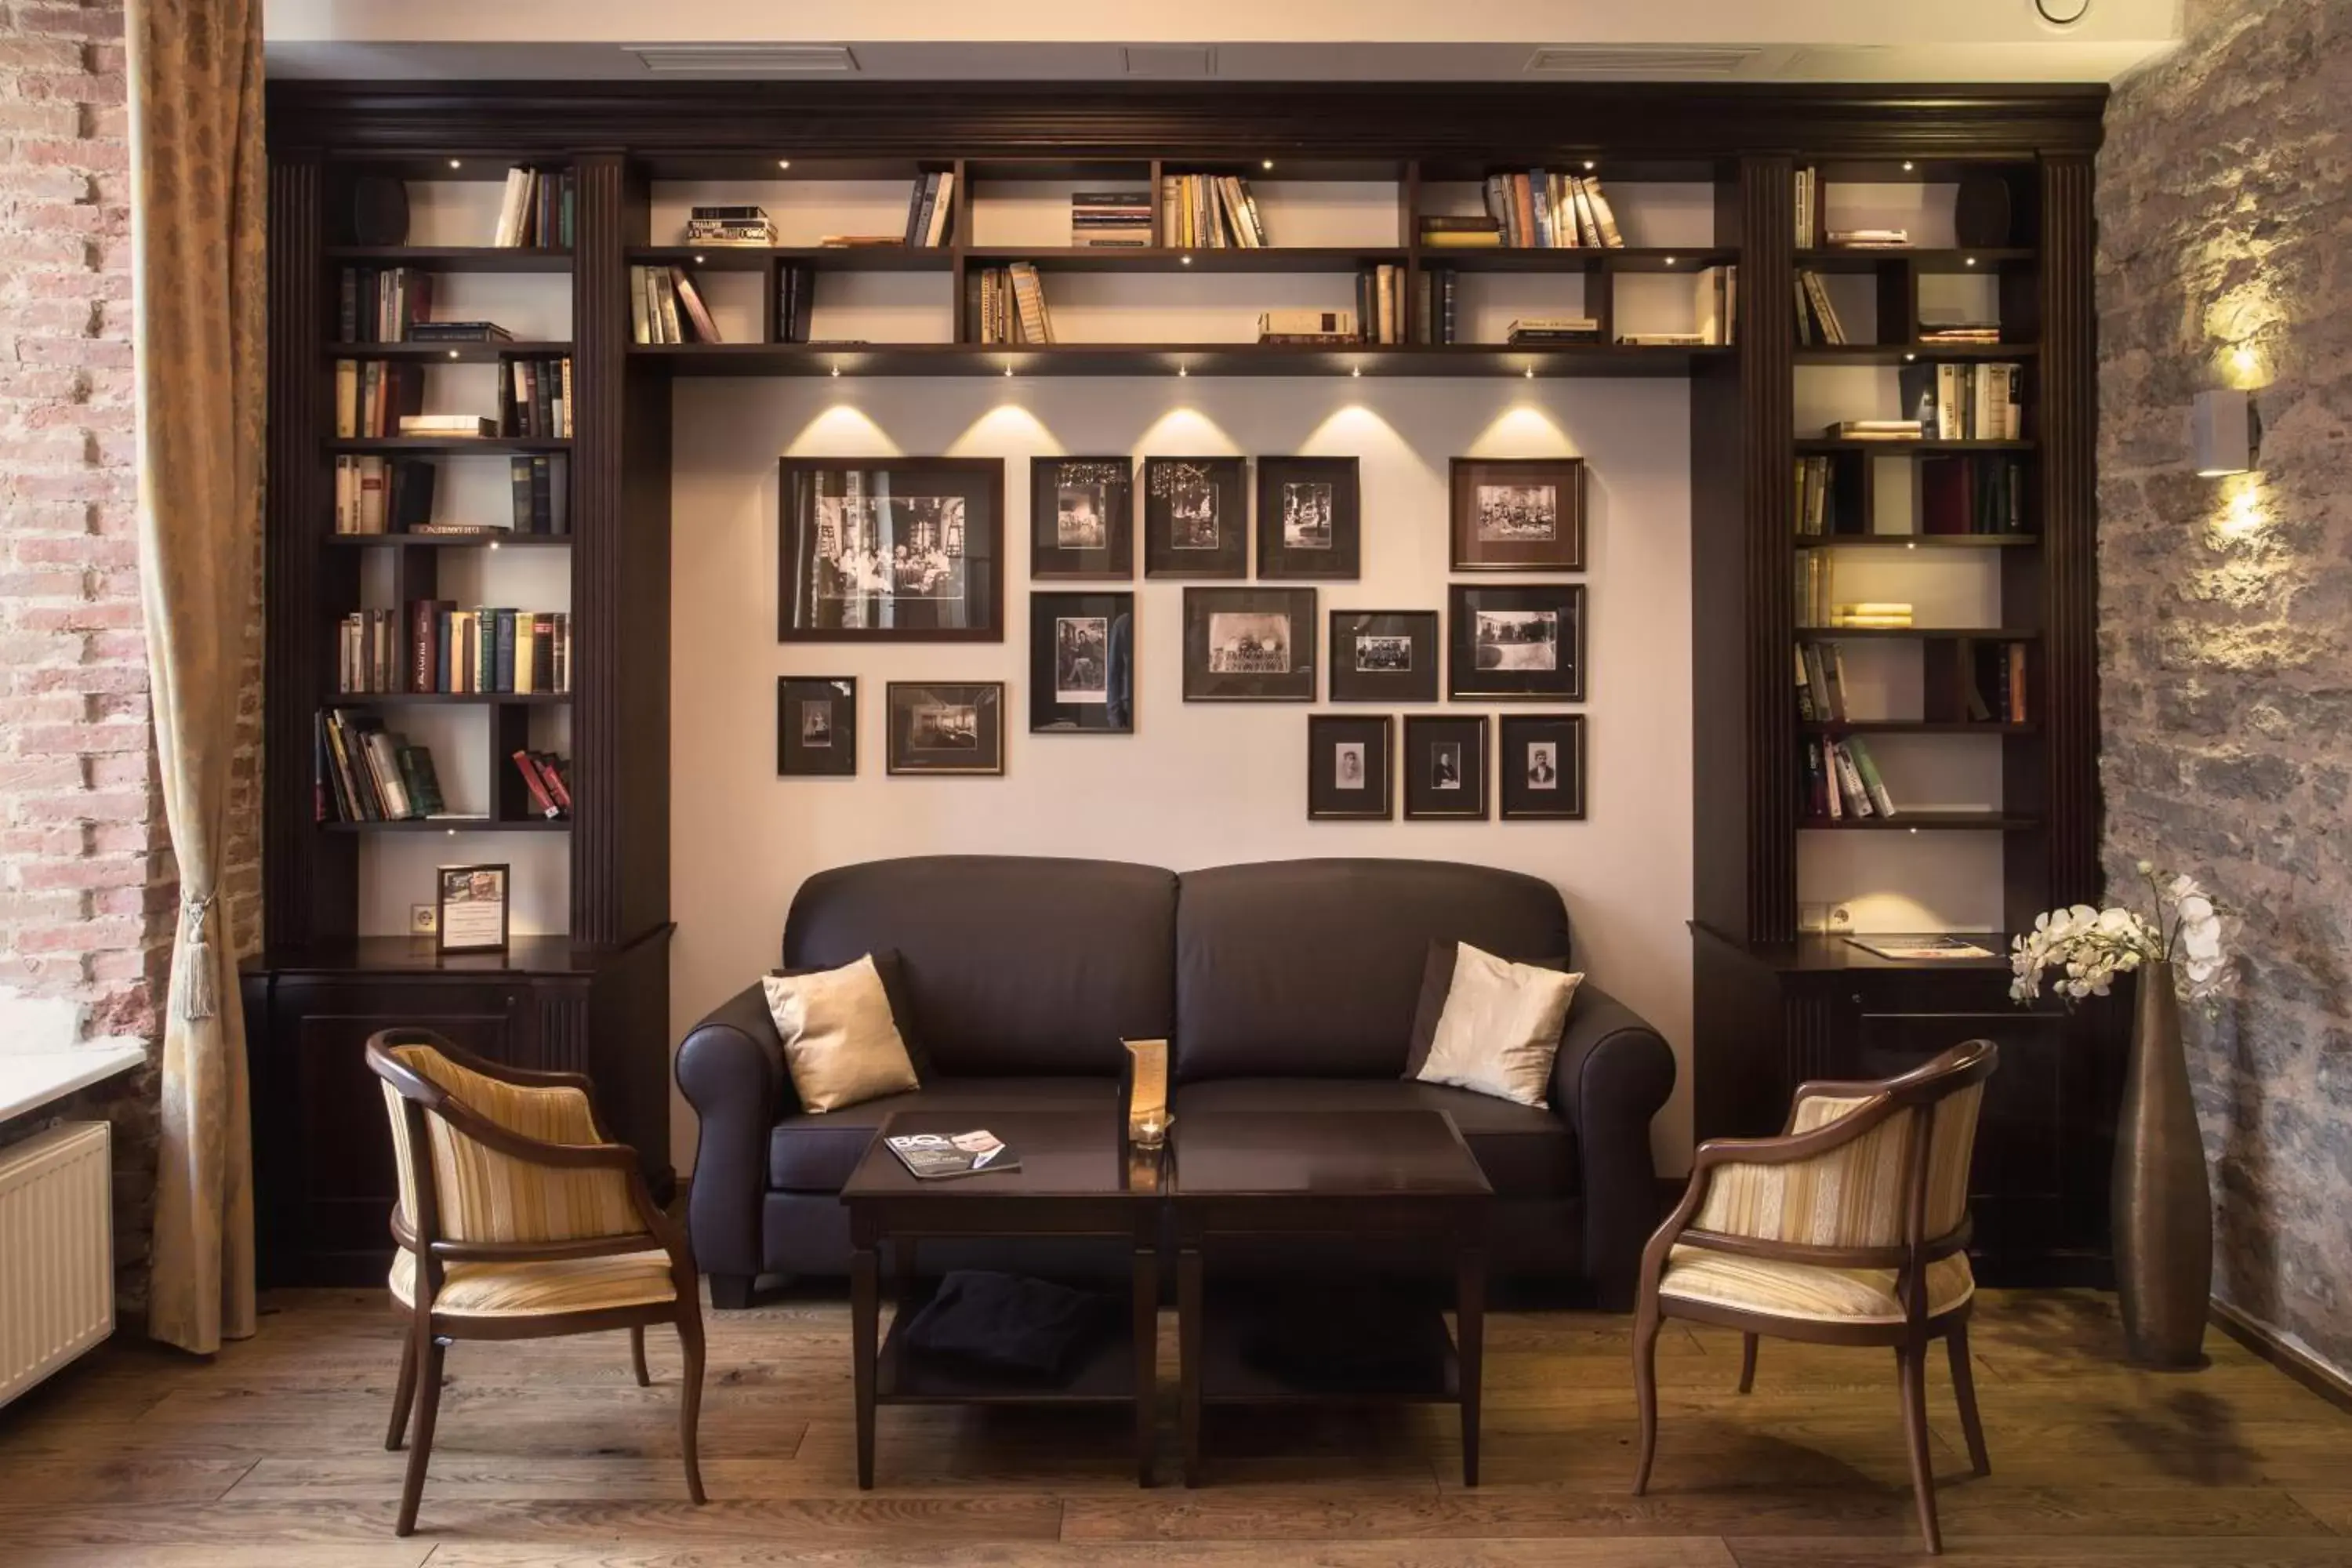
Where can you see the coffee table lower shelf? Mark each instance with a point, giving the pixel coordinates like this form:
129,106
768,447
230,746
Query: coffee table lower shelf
1104,1375
1425,1368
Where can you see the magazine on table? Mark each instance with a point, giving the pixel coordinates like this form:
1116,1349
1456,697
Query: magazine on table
1921,947
941,1156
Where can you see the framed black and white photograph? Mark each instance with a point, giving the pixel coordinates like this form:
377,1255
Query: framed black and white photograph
1195,516
1445,768
1082,663
1082,519
1541,769
816,726
903,550
470,909
1349,767
1518,514
1249,644
1309,523
946,727
1384,656
1523,641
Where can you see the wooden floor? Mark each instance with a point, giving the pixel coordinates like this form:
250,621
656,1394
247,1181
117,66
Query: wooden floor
272,1455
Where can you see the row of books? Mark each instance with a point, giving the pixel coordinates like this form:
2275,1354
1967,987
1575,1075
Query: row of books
1303,324
1817,317
1821,682
536,209
381,304
373,397
1814,231
1842,780
535,398
433,648
1933,332
376,495
1965,401
930,211
1873,430
1992,683
665,307
1110,220
1537,332
795,302
715,225
547,779
1973,493
1878,615
1012,305
362,772
1821,505
1379,303
1541,209
1211,212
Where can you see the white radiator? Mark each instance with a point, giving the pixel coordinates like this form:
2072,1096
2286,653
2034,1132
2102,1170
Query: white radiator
56,1251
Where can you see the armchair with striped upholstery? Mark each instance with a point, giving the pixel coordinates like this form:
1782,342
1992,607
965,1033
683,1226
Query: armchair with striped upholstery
518,1219
1850,1228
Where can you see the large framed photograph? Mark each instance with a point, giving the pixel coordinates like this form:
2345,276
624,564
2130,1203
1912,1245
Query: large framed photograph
1082,664
1445,768
1523,641
1384,656
816,726
945,727
1542,767
1518,514
1308,520
470,909
898,549
1082,518
1195,516
1249,644
1349,767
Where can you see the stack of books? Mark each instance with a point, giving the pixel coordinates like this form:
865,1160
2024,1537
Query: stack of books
381,305
1815,572
1664,340
363,773
1842,780
1480,233
1535,331
1874,430
1308,327
1817,318
1110,220
1543,209
458,333
730,225
1012,305
1210,212
383,495
435,647
543,495
1818,509
1821,682
371,397
1869,238
535,210
547,778
1965,401
1959,332
1381,304
1872,613
930,211
535,398
665,307
447,426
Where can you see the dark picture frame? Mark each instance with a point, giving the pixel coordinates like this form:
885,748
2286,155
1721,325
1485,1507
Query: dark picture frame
1310,523
1365,649
1196,517
1249,644
1082,664
471,891
816,726
1518,514
1551,790
944,728
1516,642
1082,520
1351,768
1446,767
890,549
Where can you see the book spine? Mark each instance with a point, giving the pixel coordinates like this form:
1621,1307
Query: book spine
542,485
550,772
1882,803
539,799
502,676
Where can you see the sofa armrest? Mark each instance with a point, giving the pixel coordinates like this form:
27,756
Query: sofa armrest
731,1069
1613,1074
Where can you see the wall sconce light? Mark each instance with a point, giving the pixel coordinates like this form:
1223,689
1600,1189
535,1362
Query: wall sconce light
2224,432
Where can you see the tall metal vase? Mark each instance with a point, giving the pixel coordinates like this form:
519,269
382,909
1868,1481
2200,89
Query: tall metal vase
2163,1207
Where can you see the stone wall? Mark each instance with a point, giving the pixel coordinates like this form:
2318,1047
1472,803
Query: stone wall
2225,258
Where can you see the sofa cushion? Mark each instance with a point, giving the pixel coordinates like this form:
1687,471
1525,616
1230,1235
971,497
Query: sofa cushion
1525,1152
815,1154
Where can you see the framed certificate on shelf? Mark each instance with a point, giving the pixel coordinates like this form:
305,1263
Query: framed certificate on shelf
473,905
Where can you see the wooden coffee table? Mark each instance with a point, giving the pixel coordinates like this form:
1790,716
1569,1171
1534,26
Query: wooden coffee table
1371,1175
1076,1179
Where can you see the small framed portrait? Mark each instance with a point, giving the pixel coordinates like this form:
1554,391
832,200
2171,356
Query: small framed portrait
1384,656
1518,514
1249,644
1082,518
1308,522
1445,768
900,550
1349,767
1542,767
1523,641
816,726
946,727
1082,664
470,904
1195,516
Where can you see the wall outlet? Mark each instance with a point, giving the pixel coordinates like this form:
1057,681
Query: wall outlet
1840,918
424,919
1813,917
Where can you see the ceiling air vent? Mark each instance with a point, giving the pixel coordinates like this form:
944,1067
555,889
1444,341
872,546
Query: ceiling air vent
744,59
1641,60
1170,59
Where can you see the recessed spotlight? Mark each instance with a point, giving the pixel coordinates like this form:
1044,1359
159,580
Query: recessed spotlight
1267,164
453,354
1182,371
836,370
1670,261
783,162
1185,260
453,833
1972,261
698,262
1908,358
1008,370
456,163
1588,166
1354,369
1529,372
494,544
1912,546
1907,165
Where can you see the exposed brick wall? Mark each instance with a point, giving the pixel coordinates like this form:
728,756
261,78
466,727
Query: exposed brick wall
2226,605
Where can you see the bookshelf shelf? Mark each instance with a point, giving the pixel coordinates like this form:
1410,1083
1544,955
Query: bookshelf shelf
822,258
1924,822
448,542
1165,258
1164,358
455,698
1844,634
1914,540
454,446
1819,444
452,257
1910,727
1692,259
455,824
1906,353
460,353
1841,259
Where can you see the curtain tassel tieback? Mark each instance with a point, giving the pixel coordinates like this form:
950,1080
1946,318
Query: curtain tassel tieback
198,997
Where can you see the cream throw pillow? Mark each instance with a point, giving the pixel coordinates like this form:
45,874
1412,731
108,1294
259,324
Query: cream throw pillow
1500,1029
841,1045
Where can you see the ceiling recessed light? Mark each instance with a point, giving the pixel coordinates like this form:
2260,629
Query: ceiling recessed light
1972,261
494,544
1354,369
453,354
1008,370
1670,261
698,262
783,162
1185,260
1908,358
1182,371
1907,165
1529,372
1267,164
1911,546
456,163
1588,166
836,370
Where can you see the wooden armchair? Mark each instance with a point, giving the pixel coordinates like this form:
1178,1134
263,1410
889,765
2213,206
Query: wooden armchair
1850,1228
519,1218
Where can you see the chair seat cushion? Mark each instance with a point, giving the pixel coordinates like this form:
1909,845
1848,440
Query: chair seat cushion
1807,1290
1525,1152
530,1290
815,1154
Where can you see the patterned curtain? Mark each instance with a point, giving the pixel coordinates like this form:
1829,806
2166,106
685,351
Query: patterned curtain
197,242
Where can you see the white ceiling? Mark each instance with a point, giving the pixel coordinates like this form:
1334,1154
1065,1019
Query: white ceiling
1233,40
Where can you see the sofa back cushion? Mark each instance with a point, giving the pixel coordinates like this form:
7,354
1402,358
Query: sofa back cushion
1313,968
1008,964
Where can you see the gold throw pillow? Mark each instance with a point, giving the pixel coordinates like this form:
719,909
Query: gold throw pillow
841,1045
1500,1029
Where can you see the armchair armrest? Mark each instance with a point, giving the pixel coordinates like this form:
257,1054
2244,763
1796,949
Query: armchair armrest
1613,1074
730,1069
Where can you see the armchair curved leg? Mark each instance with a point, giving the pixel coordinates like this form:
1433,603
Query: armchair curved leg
689,1409
1964,1389
403,1393
637,1355
1645,1384
1911,1366
420,1451
1747,1363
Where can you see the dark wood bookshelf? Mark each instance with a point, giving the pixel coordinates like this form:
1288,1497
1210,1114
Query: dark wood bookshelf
1898,634
455,698
1923,821
446,825
1914,352
451,257
1166,359
1911,726
448,542
1914,540
1572,258
1809,445
460,353
823,257
1989,260
451,446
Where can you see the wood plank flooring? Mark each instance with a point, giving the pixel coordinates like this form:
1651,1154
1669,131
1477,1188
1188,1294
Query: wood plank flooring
271,1456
